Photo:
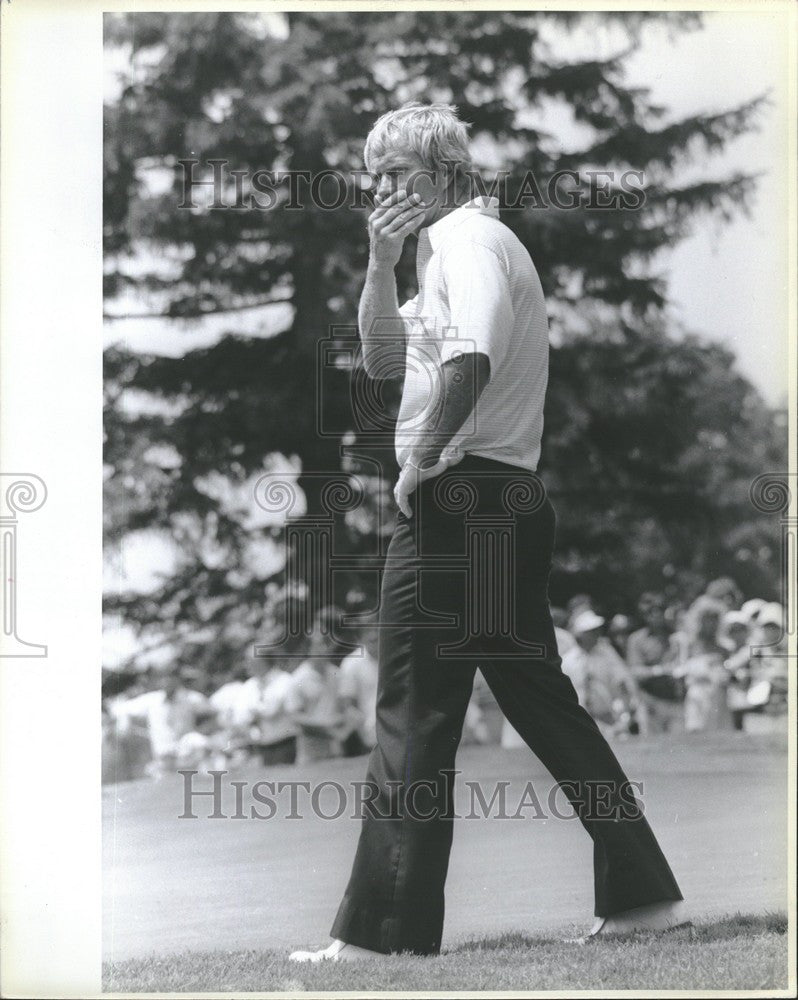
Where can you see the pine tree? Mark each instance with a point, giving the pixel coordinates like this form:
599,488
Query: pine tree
299,93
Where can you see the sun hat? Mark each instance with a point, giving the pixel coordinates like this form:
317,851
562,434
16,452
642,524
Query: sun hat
586,621
771,614
732,618
752,608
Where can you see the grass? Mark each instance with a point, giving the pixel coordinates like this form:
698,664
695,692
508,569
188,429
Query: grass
737,952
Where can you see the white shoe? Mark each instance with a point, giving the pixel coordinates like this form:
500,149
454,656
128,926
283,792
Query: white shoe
664,916
338,951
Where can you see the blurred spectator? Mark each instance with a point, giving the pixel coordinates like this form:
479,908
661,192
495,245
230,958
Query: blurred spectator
650,654
618,633
204,746
579,602
169,713
726,591
314,701
675,618
752,608
734,636
769,663
565,640
226,702
259,712
734,631
125,746
559,616
602,680
357,689
706,678
650,645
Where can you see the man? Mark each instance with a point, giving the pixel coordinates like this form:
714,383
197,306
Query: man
603,682
651,652
735,638
618,632
259,718
769,666
725,590
314,702
474,358
170,712
705,676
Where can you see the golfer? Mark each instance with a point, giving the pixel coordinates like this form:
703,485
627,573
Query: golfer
472,348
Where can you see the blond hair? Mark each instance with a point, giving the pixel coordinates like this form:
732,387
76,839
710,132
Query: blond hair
432,131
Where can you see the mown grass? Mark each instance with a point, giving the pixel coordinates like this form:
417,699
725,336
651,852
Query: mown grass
738,952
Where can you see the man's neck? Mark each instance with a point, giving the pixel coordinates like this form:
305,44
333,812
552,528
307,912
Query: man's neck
450,202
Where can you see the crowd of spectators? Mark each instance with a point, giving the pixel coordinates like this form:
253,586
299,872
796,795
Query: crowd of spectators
719,663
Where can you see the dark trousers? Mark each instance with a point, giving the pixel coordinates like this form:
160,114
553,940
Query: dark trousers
477,548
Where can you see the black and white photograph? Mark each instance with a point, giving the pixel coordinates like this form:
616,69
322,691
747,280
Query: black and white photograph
433,552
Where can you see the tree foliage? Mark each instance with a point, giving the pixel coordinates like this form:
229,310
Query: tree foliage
651,439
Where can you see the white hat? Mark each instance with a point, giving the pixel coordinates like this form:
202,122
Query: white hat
735,618
586,621
771,614
752,608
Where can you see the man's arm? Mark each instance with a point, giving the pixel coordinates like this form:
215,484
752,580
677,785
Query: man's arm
481,314
462,382
379,321
381,326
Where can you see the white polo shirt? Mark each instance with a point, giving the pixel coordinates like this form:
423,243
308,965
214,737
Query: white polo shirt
478,291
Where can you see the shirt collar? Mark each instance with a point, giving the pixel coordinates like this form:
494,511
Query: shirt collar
438,231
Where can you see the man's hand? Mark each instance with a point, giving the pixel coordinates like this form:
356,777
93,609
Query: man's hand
390,223
412,475
463,383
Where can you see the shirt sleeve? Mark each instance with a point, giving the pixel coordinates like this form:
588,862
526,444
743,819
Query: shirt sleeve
480,304
347,679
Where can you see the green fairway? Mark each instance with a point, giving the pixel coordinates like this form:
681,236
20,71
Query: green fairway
218,903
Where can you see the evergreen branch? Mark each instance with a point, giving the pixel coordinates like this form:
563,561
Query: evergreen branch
196,313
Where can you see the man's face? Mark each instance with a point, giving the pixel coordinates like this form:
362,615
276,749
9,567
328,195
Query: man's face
398,169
